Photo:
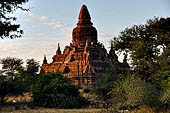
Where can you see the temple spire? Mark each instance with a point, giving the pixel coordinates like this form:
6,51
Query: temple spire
84,16
45,60
58,50
112,53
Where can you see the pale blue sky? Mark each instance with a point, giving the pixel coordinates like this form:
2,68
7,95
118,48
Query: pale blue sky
51,21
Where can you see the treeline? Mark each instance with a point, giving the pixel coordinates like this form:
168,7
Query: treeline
13,76
48,90
147,82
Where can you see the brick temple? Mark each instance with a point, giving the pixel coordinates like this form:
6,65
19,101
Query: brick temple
85,59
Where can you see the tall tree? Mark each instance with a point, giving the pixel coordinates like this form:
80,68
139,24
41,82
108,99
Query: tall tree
31,69
32,66
7,28
3,88
11,67
148,46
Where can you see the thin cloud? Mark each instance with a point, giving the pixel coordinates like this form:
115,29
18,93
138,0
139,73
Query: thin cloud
27,51
40,34
105,38
64,28
57,25
26,20
43,18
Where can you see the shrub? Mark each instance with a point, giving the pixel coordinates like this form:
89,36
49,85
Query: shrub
16,87
10,87
55,90
28,81
165,97
86,90
3,88
132,91
162,78
102,86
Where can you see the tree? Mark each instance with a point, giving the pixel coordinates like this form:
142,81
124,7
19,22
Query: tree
7,28
102,86
29,73
9,87
148,46
32,67
11,67
133,91
3,88
55,90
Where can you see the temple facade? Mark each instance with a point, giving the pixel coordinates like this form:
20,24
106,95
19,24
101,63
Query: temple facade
85,59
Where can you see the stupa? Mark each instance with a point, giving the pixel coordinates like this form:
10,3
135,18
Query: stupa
85,59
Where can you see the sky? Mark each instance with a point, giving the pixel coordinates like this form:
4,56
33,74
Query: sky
50,22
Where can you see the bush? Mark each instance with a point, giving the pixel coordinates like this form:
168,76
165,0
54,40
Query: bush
10,87
132,91
165,97
55,90
86,90
162,78
3,88
28,81
102,86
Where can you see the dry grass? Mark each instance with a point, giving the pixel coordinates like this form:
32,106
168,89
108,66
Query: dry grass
48,110
142,109
26,97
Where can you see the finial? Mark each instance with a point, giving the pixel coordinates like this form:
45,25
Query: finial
58,45
45,60
84,16
58,50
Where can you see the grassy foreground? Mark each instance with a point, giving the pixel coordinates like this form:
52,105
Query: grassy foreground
142,109
48,110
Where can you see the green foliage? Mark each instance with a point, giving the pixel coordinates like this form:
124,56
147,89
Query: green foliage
12,71
55,90
86,90
31,69
3,88
15,87
28,81
148,46
10,87
102,86
11,67
165,97
32,66
132,91
7,29
162,78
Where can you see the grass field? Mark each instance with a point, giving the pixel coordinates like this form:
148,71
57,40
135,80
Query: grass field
143,109
48,110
